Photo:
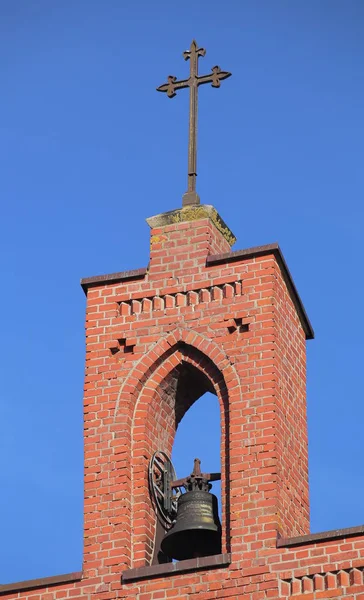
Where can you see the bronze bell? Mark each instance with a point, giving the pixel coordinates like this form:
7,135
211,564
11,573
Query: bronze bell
197,529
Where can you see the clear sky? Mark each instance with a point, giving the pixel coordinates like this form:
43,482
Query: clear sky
88,150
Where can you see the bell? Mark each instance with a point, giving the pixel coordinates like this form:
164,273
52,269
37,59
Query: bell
197,528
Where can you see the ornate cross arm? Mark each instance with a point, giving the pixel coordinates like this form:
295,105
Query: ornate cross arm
193,82
216,76
173,85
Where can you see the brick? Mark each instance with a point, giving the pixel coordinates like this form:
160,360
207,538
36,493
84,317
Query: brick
356,576
331,581
318,582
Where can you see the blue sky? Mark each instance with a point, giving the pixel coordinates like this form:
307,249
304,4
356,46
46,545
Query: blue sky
88,150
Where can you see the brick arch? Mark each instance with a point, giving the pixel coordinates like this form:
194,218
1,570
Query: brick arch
154,417
165,347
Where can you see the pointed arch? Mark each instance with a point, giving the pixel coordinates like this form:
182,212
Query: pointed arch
164,348
157,397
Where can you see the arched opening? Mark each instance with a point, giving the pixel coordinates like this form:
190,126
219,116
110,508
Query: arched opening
195,530
188,396
198,435
168,392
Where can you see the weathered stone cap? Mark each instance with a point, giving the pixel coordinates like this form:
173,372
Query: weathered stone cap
193,213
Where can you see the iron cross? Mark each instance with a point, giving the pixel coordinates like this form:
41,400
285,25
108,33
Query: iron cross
171,87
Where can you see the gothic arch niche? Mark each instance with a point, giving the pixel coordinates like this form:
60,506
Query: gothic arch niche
174,382
198,435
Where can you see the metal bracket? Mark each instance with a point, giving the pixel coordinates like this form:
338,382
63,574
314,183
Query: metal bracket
161,475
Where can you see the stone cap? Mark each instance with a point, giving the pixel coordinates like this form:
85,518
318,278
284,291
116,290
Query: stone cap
44,582
193,213
183,566
322,536
89,282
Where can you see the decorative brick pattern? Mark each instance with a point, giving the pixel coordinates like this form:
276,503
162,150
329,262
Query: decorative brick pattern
194,297
318,582
121,345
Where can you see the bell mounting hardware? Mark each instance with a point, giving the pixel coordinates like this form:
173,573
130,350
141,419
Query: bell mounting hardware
197,480
161,475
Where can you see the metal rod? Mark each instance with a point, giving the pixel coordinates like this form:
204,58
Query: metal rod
193,82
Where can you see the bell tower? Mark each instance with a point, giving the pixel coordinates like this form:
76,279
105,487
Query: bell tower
199,318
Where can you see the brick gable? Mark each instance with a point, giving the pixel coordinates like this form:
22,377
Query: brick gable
201,318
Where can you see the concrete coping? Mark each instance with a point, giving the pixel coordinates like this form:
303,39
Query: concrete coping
43,582
322,536
176,568
193,213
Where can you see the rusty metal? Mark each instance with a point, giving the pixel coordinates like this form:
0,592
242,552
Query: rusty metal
197,480
194,80
190,519
161,473
195,529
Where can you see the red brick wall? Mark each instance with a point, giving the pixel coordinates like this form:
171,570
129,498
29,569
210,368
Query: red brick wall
325,569
154,345
179,315
180,250
312,571
291,430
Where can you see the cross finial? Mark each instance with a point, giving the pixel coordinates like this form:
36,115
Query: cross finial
171,87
